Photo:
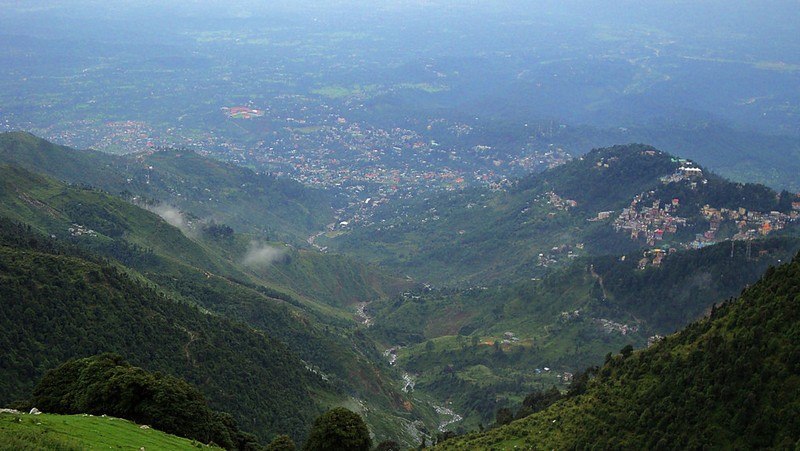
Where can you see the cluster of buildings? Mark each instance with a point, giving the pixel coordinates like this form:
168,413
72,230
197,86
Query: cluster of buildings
652,219
509,338
558,202
749,224
242,112
78,230
533,160
125,136
653,339
114,137
686,172
319,143
609,326
566,377
654,257
570,316
340,153
558,253
649,221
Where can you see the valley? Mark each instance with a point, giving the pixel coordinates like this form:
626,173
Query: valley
448,355
352,225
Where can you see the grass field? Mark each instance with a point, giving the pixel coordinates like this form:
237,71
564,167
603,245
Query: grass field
21,432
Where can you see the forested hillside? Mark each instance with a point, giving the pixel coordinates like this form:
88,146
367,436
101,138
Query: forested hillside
485,348
59,303
207,272
140,239
727,381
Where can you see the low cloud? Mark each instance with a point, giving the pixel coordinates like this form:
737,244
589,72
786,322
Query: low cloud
259,255
173,217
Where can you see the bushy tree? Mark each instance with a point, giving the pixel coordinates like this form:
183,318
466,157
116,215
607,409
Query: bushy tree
107,384
339,429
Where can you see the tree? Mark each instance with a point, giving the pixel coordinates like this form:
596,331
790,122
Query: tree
339,429
626,351
281,443
503,416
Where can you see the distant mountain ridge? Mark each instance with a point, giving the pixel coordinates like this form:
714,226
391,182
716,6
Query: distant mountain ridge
205,188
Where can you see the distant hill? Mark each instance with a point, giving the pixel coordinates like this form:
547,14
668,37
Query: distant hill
741,155
205,188
610,201
727,381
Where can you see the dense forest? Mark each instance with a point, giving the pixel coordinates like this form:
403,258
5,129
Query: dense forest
210,275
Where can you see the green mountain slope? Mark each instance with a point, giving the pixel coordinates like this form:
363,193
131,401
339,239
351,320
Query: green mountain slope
82,432
96,220
239,197
208,189
209,273
57,305
728,381
610,201
142,240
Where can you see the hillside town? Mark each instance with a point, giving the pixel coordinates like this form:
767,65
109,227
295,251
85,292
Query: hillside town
655,221
649,222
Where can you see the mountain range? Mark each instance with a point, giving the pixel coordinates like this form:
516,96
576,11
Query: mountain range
433,316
